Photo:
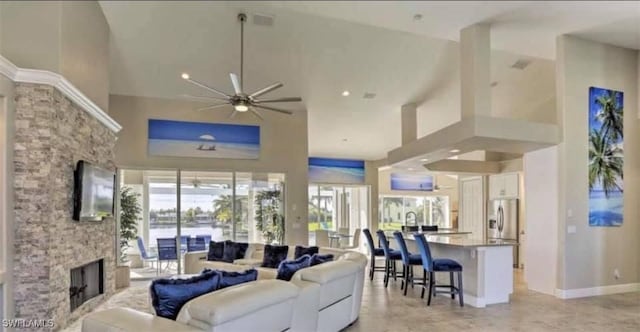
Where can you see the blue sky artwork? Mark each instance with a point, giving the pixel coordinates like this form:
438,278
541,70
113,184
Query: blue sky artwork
336,171
606,157
408,181
203,140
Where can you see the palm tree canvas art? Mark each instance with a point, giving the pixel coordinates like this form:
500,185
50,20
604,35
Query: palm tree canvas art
606,157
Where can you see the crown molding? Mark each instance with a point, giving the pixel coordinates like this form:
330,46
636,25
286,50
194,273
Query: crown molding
23,75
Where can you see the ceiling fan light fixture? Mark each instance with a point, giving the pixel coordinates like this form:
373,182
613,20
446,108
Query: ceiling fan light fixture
241,108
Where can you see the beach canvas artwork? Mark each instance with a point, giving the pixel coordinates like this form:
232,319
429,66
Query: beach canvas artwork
606,157
340,171
409,181
203,140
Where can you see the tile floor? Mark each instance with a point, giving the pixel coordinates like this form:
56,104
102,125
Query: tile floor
387,310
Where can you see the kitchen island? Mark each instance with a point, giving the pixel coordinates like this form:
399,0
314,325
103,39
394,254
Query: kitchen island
487,266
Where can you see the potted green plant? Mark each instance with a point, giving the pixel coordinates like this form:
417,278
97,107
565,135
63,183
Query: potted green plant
129,215
268,215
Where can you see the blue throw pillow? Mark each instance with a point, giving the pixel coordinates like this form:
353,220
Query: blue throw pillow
301,251
287,269
235,278
319,259
216,249
233,251
169,295
273,255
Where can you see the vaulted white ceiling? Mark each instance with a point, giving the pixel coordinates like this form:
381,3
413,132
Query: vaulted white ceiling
318,50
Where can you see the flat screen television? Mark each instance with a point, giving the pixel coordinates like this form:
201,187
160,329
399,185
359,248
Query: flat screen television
93,193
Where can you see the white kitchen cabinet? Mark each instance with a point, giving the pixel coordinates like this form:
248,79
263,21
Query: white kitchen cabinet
504,186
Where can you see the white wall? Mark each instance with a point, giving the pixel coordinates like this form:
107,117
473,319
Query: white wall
541,191
589,256
7,110
284,148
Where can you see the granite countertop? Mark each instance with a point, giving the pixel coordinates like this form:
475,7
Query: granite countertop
466,242
443,232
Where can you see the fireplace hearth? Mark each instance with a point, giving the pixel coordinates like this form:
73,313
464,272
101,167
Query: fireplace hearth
87,282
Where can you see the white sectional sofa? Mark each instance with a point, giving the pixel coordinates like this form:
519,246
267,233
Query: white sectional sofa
196,261
324,297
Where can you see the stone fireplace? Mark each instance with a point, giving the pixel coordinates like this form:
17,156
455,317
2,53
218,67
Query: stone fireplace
51,135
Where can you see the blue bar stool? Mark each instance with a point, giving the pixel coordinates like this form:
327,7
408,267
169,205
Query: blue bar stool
439,265
391,256
375,252
409,260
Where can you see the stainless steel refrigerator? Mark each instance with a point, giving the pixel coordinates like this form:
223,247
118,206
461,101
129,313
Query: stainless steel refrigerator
503,223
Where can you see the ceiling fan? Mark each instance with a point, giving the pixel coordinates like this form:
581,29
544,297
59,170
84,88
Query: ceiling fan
240,100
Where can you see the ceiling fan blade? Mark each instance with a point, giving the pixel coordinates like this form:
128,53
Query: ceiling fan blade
273,109
202,85
233,114
237,85
210,107
202,98
253,110
278,100
266,89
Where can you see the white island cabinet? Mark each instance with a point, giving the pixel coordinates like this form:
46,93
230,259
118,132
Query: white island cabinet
487,266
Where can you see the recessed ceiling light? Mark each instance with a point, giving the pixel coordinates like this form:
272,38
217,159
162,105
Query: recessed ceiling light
346,93
424,159
344,139
185,76
454,151
493,84
417,17
369,95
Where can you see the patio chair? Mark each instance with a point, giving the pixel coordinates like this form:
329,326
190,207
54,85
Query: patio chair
207,238
144,255
196,244
184,240
167,251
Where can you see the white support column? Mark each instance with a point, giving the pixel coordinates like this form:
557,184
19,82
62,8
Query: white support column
475,70
409,123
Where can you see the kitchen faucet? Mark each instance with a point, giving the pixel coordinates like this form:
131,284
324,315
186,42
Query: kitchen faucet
415,217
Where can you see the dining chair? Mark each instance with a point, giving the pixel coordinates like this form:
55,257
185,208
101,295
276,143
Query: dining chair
409,260
196,244
429,228
144,254
374,252
432,266
410,229
343,230
167,251
322,238
356,240
391,257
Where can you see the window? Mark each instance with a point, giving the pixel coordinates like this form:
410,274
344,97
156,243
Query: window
398,211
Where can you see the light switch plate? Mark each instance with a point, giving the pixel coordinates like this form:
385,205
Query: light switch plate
571,229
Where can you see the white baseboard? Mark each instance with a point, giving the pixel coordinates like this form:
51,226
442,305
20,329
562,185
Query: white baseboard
596,291
474,301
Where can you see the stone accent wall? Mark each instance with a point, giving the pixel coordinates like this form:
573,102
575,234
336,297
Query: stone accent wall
51,135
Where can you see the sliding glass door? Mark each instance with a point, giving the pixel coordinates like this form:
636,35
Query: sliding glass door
184,207
338,208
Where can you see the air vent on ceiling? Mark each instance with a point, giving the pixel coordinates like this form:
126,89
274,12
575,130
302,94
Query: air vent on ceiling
521,64
262,19
369,95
